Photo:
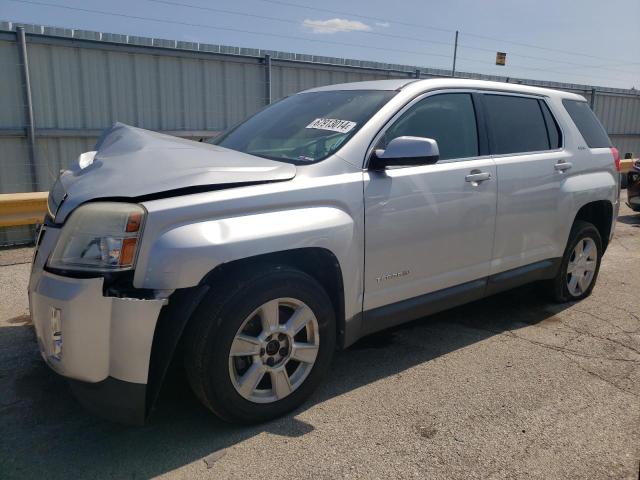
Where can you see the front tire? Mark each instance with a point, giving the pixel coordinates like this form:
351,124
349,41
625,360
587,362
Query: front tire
257,348
580,264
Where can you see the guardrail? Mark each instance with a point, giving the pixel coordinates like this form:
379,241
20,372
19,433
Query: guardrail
30,208
22,208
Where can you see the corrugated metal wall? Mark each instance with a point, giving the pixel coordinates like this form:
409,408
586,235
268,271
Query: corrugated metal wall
82,82
620,115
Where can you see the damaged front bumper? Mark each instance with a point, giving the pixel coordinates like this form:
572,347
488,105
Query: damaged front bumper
102,344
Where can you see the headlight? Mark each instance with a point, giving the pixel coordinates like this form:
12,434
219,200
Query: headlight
100,237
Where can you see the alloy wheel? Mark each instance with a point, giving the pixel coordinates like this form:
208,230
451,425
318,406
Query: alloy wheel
582,265
274,350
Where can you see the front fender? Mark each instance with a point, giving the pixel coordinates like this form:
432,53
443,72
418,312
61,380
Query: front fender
181,256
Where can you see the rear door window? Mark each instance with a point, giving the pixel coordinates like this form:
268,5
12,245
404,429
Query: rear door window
516,124
588,124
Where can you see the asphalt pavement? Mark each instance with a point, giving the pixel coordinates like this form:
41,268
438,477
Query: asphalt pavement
508,387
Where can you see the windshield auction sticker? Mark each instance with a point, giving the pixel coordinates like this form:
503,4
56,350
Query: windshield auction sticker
332,124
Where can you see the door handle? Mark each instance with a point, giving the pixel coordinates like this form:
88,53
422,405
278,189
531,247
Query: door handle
562,166
476,176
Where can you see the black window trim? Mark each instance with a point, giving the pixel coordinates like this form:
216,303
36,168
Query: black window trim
543,100
483,139
540,98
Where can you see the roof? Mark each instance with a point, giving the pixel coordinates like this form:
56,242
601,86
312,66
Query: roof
395,84
434,83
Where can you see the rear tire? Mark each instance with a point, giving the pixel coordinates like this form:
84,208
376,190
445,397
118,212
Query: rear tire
580,264
231,341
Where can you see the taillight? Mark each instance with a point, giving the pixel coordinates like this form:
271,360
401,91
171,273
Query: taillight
616,157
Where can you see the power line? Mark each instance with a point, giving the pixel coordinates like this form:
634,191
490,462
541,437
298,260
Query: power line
375,19
552,60
556,50
229,29
408,24
535,69
608,67
276,35
294,22
264,17
379,34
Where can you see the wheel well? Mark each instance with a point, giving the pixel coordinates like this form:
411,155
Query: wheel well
318,263
600,214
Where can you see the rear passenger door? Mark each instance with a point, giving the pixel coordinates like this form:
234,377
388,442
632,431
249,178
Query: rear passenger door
526,144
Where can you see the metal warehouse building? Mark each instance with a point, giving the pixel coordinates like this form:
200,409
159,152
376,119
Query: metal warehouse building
82,81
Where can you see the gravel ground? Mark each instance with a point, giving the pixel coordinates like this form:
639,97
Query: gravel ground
507,387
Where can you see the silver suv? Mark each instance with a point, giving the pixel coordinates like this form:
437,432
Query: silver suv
327,216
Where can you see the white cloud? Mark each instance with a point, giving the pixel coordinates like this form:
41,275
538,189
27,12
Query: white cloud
335,25
383,24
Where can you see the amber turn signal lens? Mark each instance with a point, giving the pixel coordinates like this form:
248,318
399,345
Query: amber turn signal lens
128,251
133,222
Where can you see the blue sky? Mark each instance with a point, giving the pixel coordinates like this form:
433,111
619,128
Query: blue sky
592,42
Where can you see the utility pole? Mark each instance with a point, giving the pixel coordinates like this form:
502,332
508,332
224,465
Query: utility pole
455,54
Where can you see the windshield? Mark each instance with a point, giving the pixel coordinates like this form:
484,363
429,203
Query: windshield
307,127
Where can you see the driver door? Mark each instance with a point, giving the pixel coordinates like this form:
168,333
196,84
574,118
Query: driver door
430,227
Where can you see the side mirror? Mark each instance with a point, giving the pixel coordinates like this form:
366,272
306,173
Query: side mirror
405,151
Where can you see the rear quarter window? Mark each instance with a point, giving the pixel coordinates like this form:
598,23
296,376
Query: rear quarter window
587,122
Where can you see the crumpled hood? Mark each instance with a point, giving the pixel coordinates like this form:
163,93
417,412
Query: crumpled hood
135,163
